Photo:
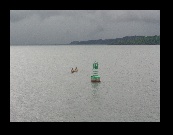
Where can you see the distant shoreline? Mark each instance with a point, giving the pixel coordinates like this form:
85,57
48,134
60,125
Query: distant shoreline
128,40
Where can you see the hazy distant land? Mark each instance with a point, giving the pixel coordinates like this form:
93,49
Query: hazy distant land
128,40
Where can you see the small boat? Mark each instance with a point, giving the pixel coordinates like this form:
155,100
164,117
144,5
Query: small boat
76,70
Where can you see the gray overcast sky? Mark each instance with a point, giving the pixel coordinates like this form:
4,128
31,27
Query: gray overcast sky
65,26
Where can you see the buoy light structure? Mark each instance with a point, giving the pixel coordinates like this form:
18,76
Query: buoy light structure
95,77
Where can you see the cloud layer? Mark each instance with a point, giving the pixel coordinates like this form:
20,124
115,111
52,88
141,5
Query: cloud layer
65,26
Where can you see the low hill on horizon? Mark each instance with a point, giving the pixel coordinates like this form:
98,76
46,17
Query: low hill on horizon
128,40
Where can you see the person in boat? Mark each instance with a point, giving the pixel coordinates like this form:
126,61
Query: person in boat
72,70
76,69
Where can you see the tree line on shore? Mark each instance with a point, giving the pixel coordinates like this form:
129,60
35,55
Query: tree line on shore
128,40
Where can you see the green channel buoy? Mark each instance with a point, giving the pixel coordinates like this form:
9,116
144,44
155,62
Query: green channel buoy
95,77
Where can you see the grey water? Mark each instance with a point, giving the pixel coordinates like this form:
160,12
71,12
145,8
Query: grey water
43,89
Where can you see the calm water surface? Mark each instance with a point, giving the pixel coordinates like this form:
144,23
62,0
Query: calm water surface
42,88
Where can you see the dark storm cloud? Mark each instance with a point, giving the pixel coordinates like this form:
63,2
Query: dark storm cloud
64,26
150,16
20,15
17,15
